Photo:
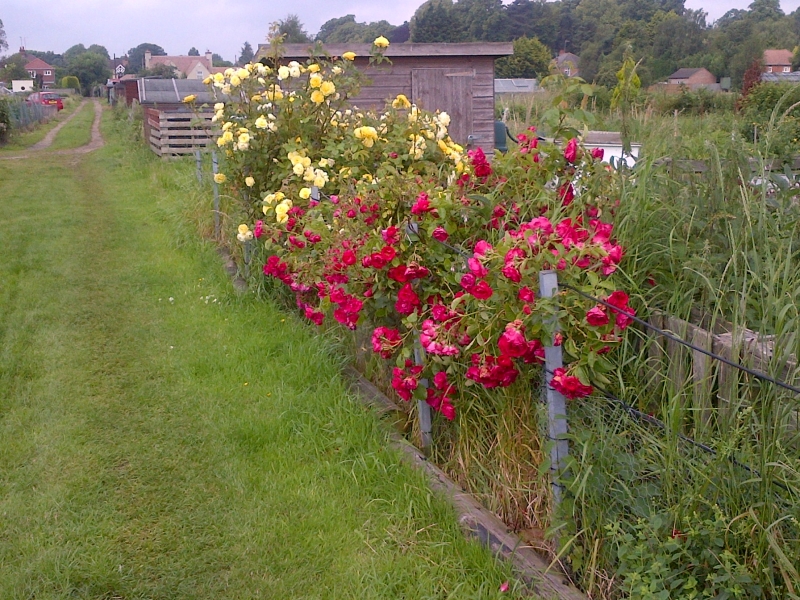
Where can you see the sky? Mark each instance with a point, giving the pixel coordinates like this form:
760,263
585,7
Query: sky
221,26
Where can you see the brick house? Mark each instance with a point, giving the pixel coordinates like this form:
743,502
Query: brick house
777,61
42,72
189,67
567,64
692,78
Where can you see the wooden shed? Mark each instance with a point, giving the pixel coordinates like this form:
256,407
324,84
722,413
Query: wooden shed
455,78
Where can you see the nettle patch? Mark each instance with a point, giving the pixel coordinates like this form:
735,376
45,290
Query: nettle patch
382,219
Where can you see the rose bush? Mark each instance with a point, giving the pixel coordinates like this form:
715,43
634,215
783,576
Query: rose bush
382,219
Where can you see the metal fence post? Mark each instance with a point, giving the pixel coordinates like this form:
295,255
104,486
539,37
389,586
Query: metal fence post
423,408
198,159
215,170
556,403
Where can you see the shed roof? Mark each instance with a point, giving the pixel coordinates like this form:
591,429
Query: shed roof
777,57
494,49
163,91
184,64
684,73
515,86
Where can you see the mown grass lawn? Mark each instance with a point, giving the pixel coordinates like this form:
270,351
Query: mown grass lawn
77,132
163,437
21,141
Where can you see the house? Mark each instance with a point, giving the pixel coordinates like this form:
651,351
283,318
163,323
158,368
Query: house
41,72
187,67
691,79
455,78
567,64
777,61
118,66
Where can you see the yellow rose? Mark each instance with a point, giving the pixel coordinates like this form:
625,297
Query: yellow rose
315,80
401,102
283,72
190,98
305,193
313,68
327,88
235,80
243,228
249,181
208,80
261,122
317,97
220,177
274,93
349,55
381,42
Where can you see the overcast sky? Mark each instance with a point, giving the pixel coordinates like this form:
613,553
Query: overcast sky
221,26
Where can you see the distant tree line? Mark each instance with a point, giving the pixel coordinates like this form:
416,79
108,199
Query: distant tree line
663,34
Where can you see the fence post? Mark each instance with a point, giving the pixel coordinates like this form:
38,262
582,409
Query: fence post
556,403
423,408
215,170
198,159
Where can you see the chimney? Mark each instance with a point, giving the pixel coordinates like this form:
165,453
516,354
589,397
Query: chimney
147,56
209,58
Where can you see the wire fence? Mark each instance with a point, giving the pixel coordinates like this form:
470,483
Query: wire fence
23,114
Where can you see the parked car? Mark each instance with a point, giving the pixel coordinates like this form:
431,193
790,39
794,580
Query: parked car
49,98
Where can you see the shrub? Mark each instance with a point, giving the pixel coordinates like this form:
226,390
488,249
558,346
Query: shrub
5,120
71,82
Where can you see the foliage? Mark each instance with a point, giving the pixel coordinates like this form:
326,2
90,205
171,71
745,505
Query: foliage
14,68
218,61
347,30
193,52
71,82
531,59
415,237
771,118
246,54
136,56
90,69
160,71
625,95
292,30
3,40
5,119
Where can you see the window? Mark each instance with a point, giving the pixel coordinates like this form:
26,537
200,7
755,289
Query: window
786,69
32,73
200,74
769,69
48,72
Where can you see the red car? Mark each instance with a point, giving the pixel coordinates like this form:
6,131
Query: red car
49,98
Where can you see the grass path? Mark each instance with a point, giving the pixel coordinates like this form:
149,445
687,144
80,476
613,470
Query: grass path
162,437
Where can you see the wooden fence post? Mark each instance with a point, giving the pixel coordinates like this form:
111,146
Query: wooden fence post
215,170
423,408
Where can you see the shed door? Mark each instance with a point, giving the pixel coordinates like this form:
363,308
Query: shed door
447,90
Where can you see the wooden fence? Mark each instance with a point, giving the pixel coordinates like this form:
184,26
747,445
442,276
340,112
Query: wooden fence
707,386
177,133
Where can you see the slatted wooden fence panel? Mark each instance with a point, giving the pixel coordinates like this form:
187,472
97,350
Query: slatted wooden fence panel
177,133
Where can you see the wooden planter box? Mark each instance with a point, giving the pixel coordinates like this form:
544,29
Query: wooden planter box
173,134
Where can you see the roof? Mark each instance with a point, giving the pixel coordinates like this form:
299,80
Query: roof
37,63
395,50
685,73
515,86
567,57
184,64
170,91
793,77
778,57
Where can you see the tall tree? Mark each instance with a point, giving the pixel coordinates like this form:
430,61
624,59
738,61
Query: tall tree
435,21
218,61
136,56
90,69
13,67
246,54
98,49
193,51
531,59
73,52
292,30
3,41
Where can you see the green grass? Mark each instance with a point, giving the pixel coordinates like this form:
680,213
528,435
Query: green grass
77,132
163,437
22,140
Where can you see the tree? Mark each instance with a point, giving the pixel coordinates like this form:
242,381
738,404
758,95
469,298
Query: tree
98,49
435,21
3,41
218,61
292,30
136,56
90,69
14,68
246,54
193,51
74,52
160,71
331,25
71,82
531,59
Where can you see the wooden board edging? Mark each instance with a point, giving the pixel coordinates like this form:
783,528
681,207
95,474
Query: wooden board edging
476,520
